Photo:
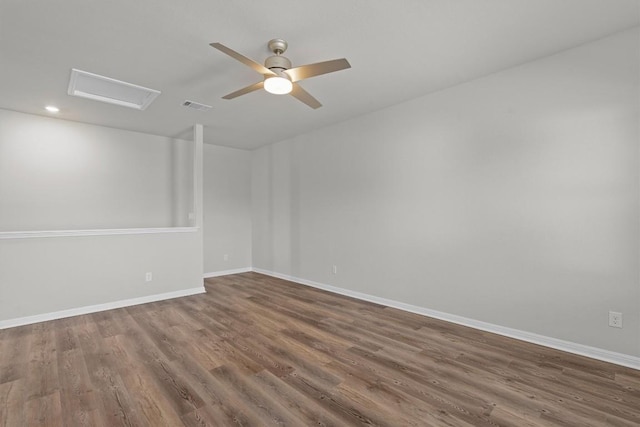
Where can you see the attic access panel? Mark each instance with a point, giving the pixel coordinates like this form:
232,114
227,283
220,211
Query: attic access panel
112,91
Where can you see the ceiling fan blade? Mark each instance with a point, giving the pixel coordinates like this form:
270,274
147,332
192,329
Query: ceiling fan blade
304,96
245,90
246,61
311,70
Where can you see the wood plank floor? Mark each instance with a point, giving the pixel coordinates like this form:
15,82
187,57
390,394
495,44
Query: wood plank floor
261,351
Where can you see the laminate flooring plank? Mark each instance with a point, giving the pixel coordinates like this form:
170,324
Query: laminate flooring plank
257,397
256,350
207,318
14,350
300,304
284,346
324,325
65,336
198,348
169,380
181,313
269,349
152,405
301,364
629,380
563,389
157,331
116,405
378,406
602,388
617,422
379,338
238,322
229,353
518,376
228,405
89,337
41,364
12,403
438,394
200,380
607,397
460,384
478,338
107,322
293,315
44,411
262,353
351,335
400,406
332,402
79,400
301,405
209,416
505,416
12,372
554,407
377,315
236,357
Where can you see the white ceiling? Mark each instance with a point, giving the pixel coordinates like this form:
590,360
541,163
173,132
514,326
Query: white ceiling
398,50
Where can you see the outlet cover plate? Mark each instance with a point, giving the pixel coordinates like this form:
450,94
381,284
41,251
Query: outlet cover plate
615,319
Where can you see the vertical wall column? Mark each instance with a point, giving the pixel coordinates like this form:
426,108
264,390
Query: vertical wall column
198,170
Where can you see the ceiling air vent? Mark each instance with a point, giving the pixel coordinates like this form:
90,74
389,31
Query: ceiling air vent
197,105
106,89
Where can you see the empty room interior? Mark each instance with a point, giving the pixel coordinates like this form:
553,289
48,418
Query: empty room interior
328,213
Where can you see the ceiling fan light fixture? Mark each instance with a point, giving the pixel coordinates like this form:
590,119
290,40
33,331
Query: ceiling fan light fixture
278,85
278,75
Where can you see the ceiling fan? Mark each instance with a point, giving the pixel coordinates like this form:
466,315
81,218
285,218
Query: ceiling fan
279,77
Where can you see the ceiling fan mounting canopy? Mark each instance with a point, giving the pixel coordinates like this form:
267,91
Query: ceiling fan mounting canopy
278,46
279,77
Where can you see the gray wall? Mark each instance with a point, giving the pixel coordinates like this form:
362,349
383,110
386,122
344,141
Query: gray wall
45,275
48,274
512,199
227,209
61,175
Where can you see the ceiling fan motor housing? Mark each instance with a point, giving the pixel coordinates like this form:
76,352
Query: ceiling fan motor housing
278,62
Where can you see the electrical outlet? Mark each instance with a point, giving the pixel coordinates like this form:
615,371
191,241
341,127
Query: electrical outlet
225,257
148,277
334,270
615,319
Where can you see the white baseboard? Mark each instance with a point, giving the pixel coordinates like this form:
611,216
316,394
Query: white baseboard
568,346
20,321
227,272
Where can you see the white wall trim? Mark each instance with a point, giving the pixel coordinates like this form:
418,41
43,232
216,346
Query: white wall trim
227,272
568,346
98,232
20,321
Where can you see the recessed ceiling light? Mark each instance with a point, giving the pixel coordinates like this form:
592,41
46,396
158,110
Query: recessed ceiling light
52,108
